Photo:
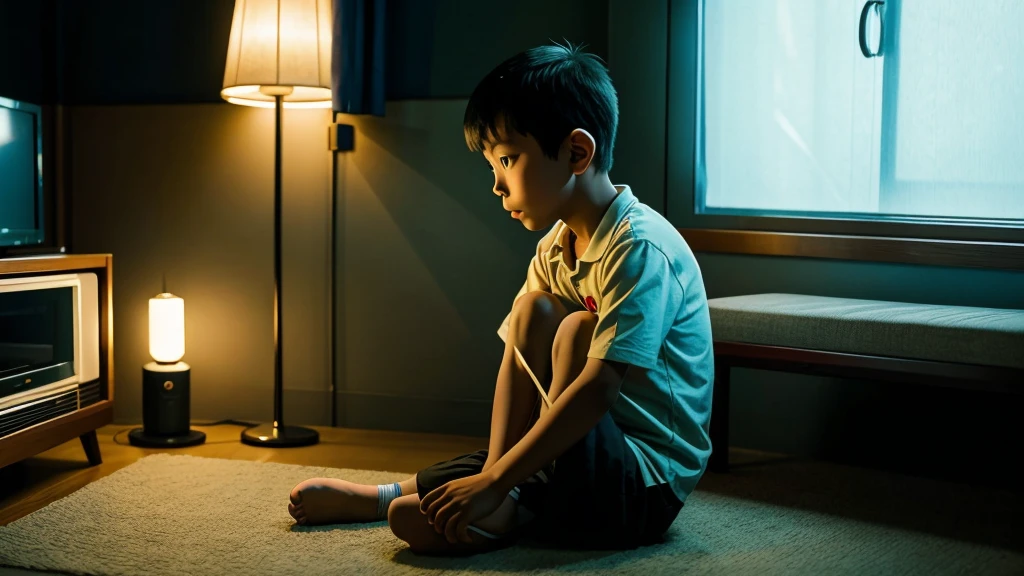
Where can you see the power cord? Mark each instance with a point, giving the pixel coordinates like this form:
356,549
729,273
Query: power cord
217,423
220,422
204,424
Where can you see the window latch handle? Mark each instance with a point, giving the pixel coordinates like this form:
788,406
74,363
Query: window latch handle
877,5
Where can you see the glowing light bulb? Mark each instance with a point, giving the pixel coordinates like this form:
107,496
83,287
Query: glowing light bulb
166,328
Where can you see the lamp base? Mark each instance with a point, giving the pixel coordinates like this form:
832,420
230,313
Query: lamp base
138,437
273,436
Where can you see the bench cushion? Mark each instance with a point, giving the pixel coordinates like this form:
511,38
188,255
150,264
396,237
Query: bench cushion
968,335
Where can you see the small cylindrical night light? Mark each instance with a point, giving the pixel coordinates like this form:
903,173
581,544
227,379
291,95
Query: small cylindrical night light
166,328
165,382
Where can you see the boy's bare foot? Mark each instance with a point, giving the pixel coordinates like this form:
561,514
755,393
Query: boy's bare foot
332,501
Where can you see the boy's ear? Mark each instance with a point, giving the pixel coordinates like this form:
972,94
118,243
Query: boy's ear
581,150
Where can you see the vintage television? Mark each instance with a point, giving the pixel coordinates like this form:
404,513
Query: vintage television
49,348
24,218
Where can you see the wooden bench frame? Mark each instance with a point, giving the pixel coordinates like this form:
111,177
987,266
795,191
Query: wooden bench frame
730,355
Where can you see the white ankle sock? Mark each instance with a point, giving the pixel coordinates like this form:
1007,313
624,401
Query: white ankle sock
385,494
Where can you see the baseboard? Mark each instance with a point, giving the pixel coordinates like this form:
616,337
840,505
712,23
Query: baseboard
386,412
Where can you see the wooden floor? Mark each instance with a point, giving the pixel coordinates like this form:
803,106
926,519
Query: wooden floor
33,483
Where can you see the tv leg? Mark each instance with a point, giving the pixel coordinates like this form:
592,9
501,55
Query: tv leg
92,448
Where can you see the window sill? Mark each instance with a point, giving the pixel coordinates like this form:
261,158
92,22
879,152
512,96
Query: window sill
956,253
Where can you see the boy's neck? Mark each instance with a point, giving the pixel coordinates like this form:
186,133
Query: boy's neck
594,194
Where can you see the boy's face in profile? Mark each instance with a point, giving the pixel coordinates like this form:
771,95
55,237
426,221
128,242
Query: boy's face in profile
532,186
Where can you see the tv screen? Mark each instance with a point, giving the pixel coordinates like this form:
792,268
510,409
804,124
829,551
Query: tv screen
21,183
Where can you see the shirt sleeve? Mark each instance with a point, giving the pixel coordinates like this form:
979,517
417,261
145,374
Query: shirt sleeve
639,301
536,279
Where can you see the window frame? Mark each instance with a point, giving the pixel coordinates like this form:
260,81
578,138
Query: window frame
921,240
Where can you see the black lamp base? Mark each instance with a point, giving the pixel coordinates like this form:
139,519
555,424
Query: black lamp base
138,437
279,436
165,408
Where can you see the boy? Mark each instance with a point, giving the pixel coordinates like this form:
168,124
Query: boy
609,337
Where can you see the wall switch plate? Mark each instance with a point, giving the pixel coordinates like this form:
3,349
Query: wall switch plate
341,137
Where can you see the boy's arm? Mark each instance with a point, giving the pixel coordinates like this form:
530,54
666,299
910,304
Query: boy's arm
574,413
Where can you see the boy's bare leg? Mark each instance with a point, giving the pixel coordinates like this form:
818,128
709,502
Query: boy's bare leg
410,525
334,501
569,352
535,320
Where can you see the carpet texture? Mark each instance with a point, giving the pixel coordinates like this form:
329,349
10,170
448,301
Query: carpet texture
176,515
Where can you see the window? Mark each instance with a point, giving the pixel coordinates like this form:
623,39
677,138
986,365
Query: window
795,122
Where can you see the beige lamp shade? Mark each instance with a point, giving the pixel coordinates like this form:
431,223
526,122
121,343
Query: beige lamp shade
279,47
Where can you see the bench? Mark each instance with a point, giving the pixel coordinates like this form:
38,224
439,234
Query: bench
957,346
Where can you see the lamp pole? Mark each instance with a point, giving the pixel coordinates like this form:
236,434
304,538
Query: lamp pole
278,312
277,434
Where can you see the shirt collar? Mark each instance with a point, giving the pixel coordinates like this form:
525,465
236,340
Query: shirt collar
603,235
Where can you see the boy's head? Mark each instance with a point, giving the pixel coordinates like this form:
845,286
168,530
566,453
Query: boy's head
539,118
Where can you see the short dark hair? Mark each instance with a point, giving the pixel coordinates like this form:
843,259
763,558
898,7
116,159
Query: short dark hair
547,92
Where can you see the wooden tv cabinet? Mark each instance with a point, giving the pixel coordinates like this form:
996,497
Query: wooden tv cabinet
84,422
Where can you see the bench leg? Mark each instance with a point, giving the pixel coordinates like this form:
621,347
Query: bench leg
92,448
720,419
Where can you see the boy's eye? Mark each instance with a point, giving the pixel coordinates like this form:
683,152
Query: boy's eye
506,161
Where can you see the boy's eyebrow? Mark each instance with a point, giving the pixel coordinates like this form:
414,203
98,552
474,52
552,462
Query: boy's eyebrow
495,144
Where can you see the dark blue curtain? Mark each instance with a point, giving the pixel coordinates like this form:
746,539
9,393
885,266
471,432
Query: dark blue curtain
357,61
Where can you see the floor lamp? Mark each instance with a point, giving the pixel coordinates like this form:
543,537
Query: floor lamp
279,56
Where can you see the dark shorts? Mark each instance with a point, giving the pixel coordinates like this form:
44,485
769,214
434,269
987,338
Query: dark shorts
593,496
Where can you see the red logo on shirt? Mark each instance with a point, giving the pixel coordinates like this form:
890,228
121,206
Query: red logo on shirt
591,304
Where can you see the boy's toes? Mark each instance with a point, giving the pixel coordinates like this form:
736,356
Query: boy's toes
295,496
297,513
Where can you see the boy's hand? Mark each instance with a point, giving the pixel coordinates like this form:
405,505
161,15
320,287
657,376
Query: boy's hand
453,507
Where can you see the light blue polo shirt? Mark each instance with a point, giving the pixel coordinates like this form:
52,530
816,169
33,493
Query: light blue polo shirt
652,313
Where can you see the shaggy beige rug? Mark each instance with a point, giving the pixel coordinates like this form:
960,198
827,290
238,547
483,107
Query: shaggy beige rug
177,515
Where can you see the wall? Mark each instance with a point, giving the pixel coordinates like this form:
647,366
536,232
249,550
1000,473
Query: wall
186,191
442,48
28,69
428,261
129,52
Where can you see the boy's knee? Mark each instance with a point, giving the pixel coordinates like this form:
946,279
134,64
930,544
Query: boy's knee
574,332
537,310
401,515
